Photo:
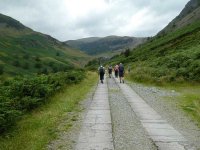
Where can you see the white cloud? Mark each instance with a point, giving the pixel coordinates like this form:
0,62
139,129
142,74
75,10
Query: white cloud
72,19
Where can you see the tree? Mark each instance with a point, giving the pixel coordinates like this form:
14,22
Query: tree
127,52
38,65
16,63
25,66
57,54
26,56
51,64
174,25
1,70
37,58
44,71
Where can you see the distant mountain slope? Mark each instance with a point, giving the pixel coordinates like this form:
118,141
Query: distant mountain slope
97,45
172,57
6,21
188,15
24,51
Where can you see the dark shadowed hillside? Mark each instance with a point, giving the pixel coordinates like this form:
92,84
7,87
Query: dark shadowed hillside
188,15
96,45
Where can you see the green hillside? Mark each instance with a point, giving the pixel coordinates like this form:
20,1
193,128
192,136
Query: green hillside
188,15
105,45
24,51
33,68
168,58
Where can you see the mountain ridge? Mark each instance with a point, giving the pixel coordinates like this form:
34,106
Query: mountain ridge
98,45
25,51
189,14
172,56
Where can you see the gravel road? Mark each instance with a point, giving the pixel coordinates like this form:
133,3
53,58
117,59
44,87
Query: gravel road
164,102
128,132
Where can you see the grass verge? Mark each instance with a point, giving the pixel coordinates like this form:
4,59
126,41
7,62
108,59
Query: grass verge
188,100
39,127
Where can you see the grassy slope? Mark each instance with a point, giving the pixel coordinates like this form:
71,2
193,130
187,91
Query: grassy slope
109,44
20,46
174,57
171,61
189,100
25,48
36,129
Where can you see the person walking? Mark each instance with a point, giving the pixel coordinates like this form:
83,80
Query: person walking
116,69
110,71
101,73
121,72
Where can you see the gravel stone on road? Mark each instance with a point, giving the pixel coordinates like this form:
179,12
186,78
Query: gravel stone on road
164,102
128,132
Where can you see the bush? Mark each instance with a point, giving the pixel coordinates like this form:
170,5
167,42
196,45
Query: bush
16,63
38,65
37,58
25,66
57,54
127,52
1,70
26,56
44,71
21,95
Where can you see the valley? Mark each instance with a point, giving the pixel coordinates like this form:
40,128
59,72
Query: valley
51,97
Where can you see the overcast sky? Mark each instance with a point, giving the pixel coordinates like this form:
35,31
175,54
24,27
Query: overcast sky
74,19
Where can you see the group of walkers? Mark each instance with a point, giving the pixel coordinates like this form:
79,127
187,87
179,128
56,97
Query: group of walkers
119,71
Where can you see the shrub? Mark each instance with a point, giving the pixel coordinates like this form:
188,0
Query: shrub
16,63
26,56
1,69
38,65
127,52
23,94
37,58
57,54
25,66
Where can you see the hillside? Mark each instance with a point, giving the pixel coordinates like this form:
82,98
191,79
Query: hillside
168,58
188,15
24,51
97,45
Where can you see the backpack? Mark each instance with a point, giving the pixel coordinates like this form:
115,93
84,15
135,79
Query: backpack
101,70
121,68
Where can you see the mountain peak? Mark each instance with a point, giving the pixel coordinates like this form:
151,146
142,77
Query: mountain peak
100,45
190,14
8,22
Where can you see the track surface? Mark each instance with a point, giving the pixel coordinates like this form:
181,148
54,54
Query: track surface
120,119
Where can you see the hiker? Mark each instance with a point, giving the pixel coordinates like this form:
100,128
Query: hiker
101,73
121,73
116,69
110,71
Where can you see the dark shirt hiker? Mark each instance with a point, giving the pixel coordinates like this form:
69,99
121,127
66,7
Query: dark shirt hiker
101,73
121,72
